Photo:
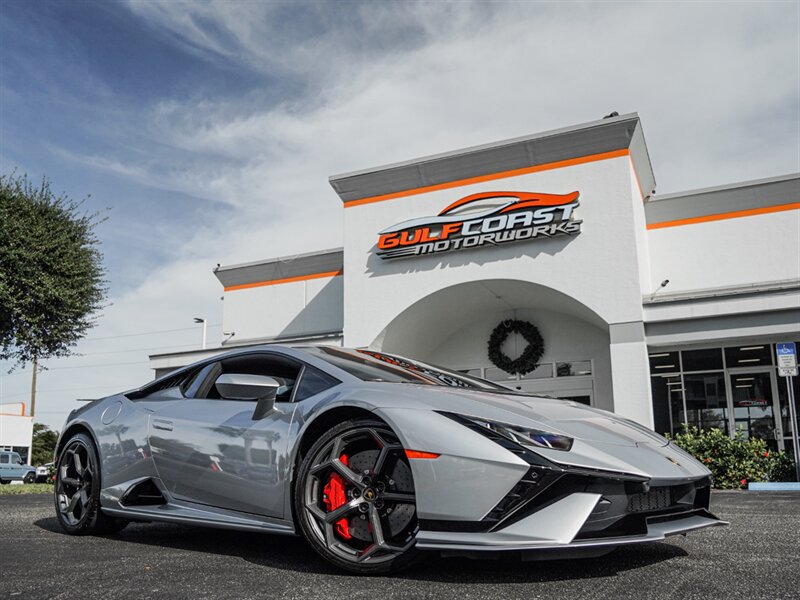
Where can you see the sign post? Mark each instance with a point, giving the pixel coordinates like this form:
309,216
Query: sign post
787,367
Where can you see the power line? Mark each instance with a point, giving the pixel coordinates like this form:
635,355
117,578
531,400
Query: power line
138,362
131,350
113,337
116,364
82,354
78,389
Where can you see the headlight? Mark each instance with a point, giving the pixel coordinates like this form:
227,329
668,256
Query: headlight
530,438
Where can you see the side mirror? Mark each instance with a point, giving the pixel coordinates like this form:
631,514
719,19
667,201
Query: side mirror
241,386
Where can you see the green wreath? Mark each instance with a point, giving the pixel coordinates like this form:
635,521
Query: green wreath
529,359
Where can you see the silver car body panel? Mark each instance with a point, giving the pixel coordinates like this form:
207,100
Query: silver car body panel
216,466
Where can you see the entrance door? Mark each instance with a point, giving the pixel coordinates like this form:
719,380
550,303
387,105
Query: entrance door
754,403
785,413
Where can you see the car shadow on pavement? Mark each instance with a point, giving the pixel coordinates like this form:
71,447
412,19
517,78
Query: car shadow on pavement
294,554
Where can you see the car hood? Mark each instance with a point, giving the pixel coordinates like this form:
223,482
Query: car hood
549,414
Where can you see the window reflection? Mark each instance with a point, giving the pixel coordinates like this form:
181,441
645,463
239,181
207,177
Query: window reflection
668,413
708,359
748,356
664,362
543,371
783,396
706,402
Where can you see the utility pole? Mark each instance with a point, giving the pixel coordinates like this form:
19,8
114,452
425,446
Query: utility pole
33,384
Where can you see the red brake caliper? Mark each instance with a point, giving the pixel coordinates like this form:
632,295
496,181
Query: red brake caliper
334,496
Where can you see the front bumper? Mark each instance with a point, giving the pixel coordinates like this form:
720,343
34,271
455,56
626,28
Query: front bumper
561,506
547,530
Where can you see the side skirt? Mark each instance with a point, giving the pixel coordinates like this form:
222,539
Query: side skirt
186,515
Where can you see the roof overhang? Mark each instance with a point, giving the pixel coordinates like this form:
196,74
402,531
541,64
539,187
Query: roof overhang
621,134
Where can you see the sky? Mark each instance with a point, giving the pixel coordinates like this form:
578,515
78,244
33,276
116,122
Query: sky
205,132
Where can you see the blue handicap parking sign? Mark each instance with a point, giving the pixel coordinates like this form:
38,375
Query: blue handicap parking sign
786,348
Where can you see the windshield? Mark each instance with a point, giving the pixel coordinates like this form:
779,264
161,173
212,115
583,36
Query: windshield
369,365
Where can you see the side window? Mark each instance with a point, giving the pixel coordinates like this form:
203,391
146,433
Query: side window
4,459
199,385
313,381
283,370
172,386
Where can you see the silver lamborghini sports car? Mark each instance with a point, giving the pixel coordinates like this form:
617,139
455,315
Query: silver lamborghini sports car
372,458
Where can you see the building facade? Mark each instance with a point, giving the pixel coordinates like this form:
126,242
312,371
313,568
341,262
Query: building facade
16,430
662,309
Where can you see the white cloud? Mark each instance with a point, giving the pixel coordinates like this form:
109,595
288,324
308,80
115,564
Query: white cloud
716,85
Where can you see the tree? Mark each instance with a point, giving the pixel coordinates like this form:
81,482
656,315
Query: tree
44,444
51,275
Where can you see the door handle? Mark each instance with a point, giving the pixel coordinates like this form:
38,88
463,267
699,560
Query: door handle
162,424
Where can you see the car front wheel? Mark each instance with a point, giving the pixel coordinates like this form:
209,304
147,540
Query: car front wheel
29,478
77,490
355,500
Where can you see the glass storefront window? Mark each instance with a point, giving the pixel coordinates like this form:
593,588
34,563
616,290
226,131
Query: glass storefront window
668,413
748,356
495,374
543,371
706,401
664,362
709,359
783,397
473,372
582,399
752,405
578,368
548,370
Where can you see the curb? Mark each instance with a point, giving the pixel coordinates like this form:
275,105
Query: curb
774,486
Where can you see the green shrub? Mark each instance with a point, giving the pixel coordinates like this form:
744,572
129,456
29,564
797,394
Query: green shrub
780,467
736,461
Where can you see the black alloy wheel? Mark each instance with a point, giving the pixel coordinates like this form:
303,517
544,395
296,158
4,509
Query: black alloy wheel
354,499
77,490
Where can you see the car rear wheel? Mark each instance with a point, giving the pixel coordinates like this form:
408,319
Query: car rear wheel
77,490
29,477
355,501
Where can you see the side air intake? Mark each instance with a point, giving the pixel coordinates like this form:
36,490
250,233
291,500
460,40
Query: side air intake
144,493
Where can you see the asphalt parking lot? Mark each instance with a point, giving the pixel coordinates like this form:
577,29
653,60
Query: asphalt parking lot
757,557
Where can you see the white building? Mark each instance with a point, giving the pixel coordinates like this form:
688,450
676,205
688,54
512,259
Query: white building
662,309
16,430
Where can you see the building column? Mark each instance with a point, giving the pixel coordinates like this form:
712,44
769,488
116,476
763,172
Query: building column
630,372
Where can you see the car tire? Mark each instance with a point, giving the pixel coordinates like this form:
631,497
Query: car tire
77,490
358,470
4,482
29,478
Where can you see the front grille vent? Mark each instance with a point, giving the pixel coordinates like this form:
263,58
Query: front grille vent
656,499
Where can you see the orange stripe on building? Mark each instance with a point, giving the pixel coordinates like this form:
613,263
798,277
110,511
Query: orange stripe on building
256,284
490,177
729,215
22,414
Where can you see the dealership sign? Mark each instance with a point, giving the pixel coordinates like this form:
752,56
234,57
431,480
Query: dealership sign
488,218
